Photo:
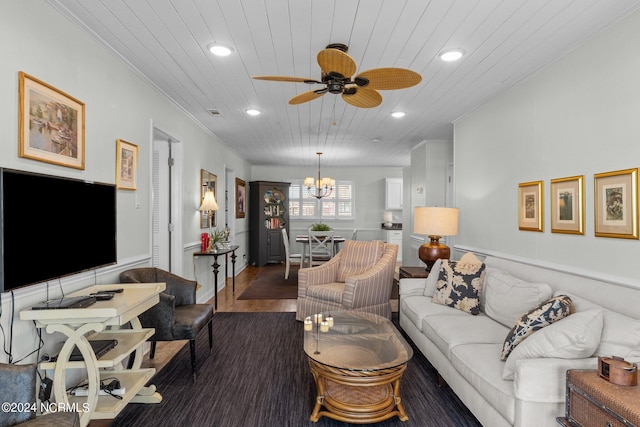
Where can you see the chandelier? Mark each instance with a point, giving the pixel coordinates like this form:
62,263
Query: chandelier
323,187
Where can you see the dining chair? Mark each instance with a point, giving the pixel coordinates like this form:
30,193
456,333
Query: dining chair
354,236
299,258
321,247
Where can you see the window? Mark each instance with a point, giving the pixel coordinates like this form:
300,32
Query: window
338,205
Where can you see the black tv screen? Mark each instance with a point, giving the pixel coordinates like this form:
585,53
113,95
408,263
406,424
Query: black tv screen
53,227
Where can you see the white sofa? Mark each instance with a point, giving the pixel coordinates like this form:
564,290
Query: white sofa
465,349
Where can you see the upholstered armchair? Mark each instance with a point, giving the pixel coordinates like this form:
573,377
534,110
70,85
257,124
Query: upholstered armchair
18,385
176,316
359,277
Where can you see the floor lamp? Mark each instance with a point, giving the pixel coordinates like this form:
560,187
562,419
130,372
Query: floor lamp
209,205
435,222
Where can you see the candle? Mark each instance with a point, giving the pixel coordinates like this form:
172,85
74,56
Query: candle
329,320
324,326
317,317
308,325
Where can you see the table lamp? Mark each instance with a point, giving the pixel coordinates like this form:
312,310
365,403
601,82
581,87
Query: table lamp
388,219
209,205
435,222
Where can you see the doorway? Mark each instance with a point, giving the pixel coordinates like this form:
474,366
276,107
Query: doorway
166,201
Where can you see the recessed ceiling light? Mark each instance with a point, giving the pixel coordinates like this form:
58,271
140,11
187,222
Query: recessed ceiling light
219,49
398,114
451,54
253,112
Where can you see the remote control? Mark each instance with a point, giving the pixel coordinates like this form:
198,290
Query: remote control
102,296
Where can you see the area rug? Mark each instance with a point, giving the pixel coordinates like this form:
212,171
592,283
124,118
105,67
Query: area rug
258,376
271,284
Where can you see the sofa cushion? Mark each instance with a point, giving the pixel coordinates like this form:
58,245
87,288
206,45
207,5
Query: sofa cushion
447,331
356,257
480,365
575,337
459,285
544,314
432,279
620,334
417,308
507,297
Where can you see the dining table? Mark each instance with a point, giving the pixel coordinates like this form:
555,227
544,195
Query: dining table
304,239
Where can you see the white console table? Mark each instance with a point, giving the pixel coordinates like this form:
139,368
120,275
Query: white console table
103,320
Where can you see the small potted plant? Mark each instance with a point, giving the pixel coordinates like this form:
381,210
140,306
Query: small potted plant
320,227
217,239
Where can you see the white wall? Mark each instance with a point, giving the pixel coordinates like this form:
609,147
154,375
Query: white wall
579,116
36,39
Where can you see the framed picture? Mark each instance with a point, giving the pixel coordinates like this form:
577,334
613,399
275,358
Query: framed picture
126,165
530,206
567,205
616,204
241,198
208,181
50,124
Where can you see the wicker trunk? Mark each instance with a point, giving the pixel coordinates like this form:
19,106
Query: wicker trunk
593,401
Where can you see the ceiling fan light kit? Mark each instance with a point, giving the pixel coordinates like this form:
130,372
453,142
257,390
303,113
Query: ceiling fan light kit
337,74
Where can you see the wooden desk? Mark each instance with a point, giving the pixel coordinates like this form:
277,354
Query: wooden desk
215,254
80,325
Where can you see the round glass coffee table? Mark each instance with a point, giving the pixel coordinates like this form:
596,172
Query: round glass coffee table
357,360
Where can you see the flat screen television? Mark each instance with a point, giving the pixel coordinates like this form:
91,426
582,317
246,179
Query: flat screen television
53,227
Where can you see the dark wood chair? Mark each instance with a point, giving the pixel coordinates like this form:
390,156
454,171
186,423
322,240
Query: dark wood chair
176,316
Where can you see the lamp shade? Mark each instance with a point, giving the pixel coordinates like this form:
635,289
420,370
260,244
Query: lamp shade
435,221
209,202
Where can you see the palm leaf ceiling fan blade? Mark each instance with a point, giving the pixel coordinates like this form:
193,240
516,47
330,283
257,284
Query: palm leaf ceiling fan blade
306,97
286,79
390,78
363,98
334,60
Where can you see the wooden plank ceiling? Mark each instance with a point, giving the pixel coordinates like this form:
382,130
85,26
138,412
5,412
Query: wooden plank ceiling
505,41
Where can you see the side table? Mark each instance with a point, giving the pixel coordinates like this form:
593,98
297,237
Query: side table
407,272
216,267
593,401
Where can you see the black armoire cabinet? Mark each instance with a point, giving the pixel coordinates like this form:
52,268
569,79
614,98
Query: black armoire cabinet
268,215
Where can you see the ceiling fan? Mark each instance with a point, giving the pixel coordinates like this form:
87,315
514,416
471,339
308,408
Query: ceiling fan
338,69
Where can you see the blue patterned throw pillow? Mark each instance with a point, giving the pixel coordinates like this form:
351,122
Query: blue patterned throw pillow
459,285
544,314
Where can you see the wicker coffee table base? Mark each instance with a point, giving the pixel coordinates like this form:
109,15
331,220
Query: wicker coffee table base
359,397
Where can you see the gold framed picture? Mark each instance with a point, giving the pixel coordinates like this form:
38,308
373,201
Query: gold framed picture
50,124
126,165
530,206
567,205
616,204
241,198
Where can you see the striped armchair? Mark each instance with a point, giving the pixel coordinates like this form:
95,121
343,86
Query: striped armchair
359,277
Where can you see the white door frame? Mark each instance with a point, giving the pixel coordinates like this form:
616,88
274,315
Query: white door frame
158,132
